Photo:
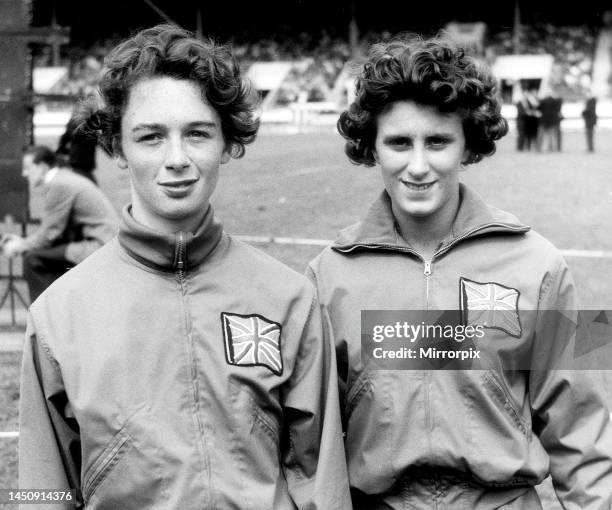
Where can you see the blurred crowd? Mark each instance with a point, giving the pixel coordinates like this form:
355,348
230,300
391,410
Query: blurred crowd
320,58
572,48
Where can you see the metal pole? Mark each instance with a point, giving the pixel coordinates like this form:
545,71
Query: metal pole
161,13
354,31
199,27
516,31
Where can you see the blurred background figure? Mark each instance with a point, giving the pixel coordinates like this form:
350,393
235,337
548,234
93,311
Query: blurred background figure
527,120
78,219
589,114
550,122
78,151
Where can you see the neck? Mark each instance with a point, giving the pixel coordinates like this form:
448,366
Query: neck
165,225
425,233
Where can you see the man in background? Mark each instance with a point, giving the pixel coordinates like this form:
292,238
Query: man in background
77,220
589,114
550,122
528,120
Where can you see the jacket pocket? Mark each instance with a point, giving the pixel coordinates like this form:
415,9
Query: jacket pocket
127,472
254,446
502,398
106,461
258,421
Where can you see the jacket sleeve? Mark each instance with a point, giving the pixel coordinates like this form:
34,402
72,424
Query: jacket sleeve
340,346
49,444
314,460
57,208
570,414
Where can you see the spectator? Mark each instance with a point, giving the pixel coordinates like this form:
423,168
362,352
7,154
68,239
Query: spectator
589,114
527,120
77,220
550,122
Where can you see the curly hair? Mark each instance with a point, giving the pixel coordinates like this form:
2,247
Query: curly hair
167,50
430,72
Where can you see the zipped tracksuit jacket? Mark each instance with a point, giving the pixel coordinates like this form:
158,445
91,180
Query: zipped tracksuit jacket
463,438
181,371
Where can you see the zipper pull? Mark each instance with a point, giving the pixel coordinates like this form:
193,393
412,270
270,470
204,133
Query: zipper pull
427,270
180,255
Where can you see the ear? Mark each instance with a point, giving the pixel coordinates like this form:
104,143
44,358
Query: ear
121,161
225,156
466,157
118,155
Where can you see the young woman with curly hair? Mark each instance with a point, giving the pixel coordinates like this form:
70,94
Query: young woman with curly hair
178,367
473,435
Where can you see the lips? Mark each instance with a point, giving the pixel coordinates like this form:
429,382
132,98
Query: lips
413,186
178,183
179,188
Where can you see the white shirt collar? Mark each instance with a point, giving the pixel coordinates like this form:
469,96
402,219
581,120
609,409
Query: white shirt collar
50,175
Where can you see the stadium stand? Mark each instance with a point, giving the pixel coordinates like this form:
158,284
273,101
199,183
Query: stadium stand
319,72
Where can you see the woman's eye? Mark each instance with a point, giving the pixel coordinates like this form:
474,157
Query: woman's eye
400,142
150,138
438,142
199,134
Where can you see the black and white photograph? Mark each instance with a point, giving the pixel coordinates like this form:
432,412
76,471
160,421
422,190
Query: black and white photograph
305,255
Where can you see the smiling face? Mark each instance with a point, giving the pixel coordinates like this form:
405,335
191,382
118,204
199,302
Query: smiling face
172,145
420,151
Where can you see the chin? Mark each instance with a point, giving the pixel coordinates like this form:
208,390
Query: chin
421,210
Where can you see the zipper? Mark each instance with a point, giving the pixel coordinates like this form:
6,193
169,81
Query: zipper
427,273
180,257
181,270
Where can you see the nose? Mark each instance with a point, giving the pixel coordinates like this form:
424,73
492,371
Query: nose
418,166
176,157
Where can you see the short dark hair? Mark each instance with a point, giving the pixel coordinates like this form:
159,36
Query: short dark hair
41,154
431,72
167,50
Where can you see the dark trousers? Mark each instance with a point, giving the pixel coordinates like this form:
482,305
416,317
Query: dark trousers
559,134
590,132
42,266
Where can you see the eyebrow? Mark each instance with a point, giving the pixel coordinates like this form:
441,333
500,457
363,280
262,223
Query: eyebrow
441,133
156,126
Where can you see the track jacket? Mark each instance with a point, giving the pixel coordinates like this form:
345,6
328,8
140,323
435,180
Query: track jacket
181,371
499,430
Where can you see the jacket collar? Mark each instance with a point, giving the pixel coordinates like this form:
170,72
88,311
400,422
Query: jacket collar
378,230
169,252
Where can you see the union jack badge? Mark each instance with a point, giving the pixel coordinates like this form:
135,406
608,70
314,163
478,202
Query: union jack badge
252,340
491,305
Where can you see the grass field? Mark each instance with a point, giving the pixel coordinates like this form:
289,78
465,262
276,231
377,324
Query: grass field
303,186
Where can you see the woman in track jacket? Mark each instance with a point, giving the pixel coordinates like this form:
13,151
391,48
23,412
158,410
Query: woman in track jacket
469,439
179,368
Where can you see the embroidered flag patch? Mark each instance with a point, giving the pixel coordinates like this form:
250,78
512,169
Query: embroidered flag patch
252,340
491,305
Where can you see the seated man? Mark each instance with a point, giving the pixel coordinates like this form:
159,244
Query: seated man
77,220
